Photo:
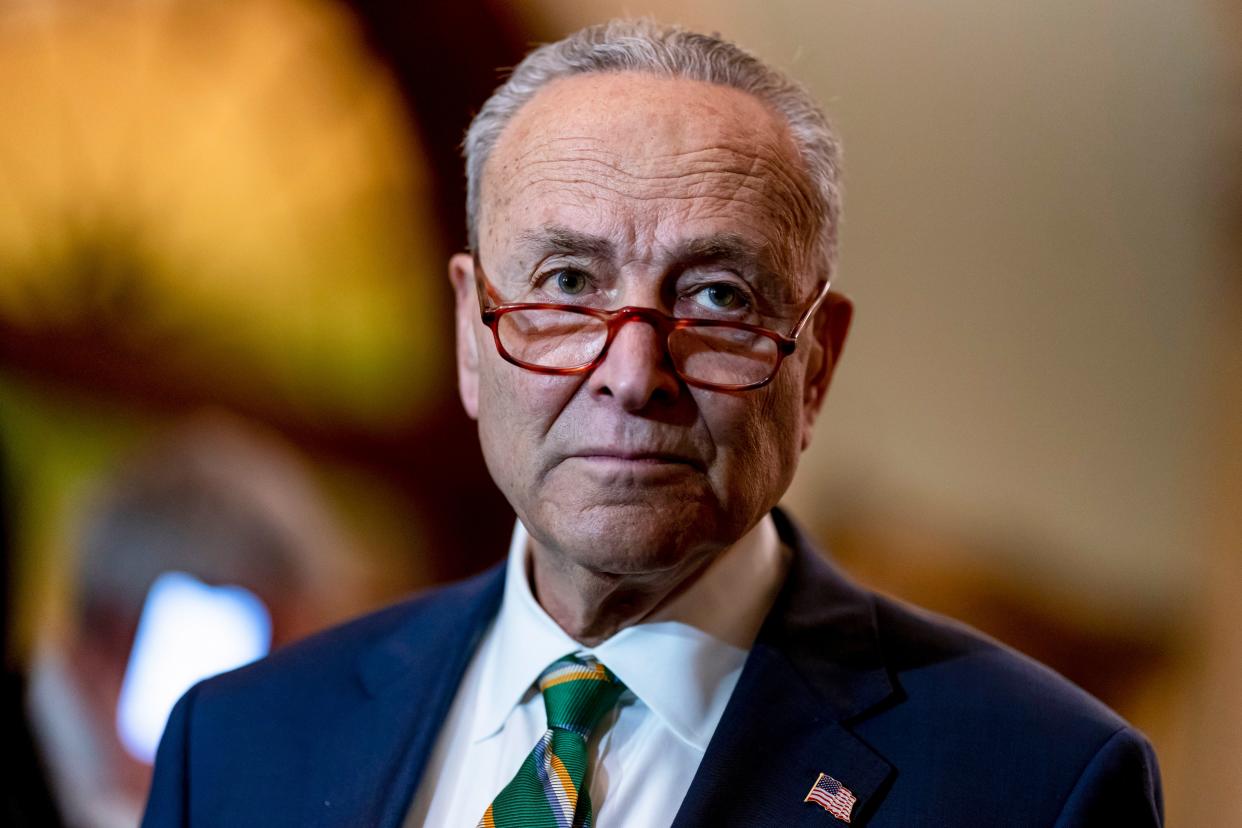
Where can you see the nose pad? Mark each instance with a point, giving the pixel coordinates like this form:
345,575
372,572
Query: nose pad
637,369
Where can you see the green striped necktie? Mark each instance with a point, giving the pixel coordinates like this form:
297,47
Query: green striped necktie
549,790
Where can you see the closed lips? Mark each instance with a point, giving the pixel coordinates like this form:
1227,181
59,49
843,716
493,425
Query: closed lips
637,456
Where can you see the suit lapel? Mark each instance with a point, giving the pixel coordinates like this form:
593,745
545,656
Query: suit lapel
815,666
372,754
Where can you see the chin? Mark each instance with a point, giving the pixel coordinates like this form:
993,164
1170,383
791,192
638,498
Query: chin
630,537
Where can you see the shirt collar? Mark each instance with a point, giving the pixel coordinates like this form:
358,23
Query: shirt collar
682,661
526,641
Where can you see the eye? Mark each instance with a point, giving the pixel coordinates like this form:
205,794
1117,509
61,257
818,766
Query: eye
570,282
721,296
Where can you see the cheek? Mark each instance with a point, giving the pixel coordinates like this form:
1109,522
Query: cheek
517,409
760,435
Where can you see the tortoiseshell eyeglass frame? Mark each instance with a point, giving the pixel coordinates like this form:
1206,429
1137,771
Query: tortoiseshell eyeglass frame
492,308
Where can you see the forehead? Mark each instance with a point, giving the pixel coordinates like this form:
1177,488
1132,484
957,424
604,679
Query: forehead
647,163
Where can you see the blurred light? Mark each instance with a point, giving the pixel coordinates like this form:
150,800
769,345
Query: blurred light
219,184
188,631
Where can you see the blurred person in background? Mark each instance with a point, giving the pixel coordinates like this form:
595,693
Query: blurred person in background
194,557
27,800
646,336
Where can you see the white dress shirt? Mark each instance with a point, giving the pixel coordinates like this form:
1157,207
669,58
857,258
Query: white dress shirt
679,665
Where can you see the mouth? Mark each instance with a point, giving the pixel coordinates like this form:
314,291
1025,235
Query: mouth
623,458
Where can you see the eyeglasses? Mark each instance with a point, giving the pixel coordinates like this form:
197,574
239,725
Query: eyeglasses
573,339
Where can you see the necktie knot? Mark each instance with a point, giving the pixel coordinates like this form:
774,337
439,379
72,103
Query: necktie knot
577,691
550,788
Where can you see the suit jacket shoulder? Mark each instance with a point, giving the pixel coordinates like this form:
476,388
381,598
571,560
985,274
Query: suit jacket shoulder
331,730
923,721
1049,752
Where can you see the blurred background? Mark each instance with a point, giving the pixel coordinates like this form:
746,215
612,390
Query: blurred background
227,405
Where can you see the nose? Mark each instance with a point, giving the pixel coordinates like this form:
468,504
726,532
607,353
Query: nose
637,370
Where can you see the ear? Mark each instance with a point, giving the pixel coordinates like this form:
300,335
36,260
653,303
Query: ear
461,274
831,325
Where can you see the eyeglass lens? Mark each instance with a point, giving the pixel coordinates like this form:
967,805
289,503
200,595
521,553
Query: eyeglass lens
564,340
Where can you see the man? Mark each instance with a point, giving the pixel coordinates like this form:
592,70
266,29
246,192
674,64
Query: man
645,336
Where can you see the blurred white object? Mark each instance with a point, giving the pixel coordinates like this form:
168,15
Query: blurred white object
188,631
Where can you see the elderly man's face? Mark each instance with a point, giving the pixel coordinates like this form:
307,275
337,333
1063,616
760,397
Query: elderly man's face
628,189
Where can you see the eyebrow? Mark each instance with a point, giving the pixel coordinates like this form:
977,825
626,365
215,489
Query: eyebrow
719,247
756,263
560,239
731,248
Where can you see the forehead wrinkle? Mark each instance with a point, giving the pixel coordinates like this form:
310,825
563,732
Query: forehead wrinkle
708,155
720,158
710,183
771,186
766,247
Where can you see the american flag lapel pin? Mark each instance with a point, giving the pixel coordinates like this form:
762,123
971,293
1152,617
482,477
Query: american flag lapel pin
832,796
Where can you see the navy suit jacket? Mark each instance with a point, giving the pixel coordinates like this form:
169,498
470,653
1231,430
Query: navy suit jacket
926,721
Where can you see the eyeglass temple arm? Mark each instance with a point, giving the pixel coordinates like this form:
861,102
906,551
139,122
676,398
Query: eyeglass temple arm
809,313
483,287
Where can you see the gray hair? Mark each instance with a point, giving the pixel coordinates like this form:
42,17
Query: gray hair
670,51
